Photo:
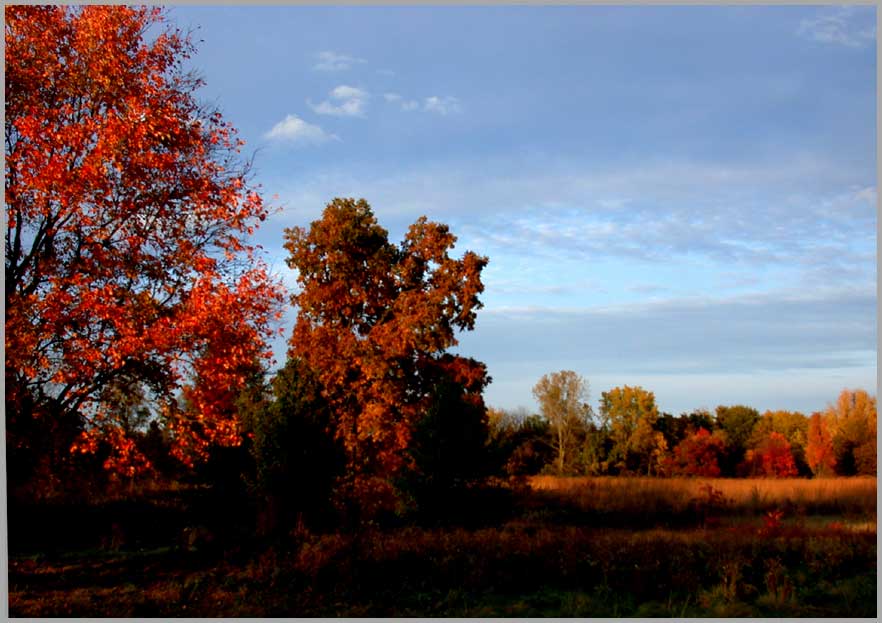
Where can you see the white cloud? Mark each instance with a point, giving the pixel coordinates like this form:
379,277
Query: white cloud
343,101
843,26
295,130
809,221
406,105
442,105
344,92
867,195
332,61
807,224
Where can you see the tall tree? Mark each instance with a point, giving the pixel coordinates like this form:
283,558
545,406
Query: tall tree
374,321
819,446
852,420
737,422
632,415
563,402
128,211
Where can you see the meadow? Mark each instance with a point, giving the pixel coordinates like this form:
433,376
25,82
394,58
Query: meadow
730,497
544,546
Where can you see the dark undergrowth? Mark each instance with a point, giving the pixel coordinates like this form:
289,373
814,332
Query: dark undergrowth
526,556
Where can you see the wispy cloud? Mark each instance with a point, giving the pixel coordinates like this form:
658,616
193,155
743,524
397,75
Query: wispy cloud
343,101
293,129
405,104
333,61
846,26
442,105
804,220
779,330
802,340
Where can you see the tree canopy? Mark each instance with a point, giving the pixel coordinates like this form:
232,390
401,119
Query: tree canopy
128,213
375,320
563,401
632,416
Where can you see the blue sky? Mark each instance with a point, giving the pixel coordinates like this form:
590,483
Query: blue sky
682,198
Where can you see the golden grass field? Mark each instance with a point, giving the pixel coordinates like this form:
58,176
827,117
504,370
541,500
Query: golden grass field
816,496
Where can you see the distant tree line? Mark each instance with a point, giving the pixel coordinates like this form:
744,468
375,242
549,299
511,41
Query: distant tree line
629,436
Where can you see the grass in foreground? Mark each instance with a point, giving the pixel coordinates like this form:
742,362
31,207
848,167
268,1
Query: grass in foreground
764,565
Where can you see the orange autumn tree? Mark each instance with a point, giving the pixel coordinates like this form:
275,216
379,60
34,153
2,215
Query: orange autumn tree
772,457
128,212
819,450
374,322
698,455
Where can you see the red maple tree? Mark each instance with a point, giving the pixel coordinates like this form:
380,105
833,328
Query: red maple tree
128,212
771,457
697,455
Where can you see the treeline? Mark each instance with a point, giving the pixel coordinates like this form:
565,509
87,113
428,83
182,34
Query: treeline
629,436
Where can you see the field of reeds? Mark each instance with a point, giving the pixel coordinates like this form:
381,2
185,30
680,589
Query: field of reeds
649,497
601,547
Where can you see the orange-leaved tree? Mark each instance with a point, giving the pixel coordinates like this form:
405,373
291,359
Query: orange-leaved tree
698,454
374,322
772,457
128,214
819,450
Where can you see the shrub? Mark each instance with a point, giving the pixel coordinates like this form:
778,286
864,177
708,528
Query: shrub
697,455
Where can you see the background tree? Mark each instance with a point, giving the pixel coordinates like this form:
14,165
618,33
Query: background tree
519,444
501,427
632,416
594,449
296,458
792,425
819,446
737,422
676,429
374,321
127,217
449,443
698,454
562,398
852,421
772,457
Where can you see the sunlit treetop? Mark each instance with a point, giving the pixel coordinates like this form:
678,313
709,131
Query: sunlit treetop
375,320
129,211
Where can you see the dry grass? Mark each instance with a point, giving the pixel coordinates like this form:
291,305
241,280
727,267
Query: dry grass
816,496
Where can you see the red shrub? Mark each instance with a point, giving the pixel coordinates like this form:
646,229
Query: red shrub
772,457
697,455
